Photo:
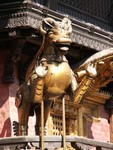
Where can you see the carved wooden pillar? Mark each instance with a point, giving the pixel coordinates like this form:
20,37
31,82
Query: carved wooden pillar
8,75
80,122
16,47
14,55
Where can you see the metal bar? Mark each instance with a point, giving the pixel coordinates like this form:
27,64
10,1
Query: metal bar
64,123
42,125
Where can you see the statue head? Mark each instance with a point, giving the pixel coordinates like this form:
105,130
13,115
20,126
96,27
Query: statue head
58,33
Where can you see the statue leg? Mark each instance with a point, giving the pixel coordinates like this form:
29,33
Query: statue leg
23,116
38,120
47,106
23,105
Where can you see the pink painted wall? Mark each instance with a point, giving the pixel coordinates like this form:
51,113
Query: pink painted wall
100,130
8,111
5,121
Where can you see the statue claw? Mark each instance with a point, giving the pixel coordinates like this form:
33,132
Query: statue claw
91,70
41,71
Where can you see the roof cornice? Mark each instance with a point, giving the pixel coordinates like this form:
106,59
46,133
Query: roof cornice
29,14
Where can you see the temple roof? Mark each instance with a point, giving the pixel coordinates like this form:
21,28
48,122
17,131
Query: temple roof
91,28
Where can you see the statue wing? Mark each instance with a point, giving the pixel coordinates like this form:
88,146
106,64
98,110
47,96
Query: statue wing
104,62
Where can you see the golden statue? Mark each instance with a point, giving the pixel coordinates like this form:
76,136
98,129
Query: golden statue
50,77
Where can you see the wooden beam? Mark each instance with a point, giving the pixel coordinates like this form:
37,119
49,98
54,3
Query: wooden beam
52,4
